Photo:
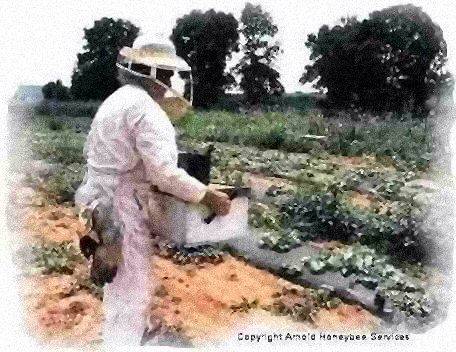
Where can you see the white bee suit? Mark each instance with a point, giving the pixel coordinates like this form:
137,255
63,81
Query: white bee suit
131,146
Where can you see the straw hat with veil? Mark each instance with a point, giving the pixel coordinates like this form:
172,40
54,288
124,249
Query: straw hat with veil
145,60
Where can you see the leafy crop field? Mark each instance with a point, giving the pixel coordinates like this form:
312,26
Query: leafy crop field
360,195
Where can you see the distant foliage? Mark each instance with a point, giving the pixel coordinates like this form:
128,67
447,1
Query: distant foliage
293,102
393,60
259,79
68,108
206,41
56,91
264,130
408,141
405,144
95,76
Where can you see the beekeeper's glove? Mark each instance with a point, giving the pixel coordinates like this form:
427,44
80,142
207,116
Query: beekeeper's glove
217,201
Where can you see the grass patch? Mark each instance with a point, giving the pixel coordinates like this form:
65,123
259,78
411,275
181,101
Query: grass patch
62,186
61,146
55,257
58,141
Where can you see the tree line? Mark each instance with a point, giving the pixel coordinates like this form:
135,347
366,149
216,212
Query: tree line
394,59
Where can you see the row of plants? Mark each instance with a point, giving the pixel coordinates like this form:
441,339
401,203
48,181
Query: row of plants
328,215
384,184
404,143
407,144
59,143
392,222
378,266
230,160
402,219
298,167
380,273
381,250
63,183
264,130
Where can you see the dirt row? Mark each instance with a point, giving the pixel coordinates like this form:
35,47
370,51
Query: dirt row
196,301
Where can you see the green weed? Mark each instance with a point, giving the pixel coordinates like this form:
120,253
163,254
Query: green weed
55,257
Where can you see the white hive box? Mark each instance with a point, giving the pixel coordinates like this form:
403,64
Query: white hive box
185,222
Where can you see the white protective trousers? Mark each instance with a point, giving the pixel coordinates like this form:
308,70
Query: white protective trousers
127,297
130,147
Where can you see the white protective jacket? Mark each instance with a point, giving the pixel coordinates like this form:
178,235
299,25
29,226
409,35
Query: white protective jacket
131,146
131,134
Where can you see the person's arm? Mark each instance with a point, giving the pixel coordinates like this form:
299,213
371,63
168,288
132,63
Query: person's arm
156,145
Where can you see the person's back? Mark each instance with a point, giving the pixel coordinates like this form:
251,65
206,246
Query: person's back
110,148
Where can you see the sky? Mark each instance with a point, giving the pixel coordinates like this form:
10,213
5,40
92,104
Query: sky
45,36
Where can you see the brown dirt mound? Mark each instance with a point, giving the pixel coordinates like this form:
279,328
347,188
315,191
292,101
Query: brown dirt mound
361,200
345,317
260,184
195,300
198,300
53,223
57,311
354,162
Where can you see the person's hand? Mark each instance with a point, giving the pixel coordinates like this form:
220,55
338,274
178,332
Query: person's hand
217,201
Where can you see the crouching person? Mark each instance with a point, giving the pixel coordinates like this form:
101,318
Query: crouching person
131,150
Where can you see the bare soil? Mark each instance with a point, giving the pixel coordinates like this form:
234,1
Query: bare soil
195,300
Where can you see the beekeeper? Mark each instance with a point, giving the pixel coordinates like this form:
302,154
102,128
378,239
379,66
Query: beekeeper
131,151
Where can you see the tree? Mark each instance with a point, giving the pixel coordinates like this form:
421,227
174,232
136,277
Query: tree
206,41
95,76
259,80
56,91
395,58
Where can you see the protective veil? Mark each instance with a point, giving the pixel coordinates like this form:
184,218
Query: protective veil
131,146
